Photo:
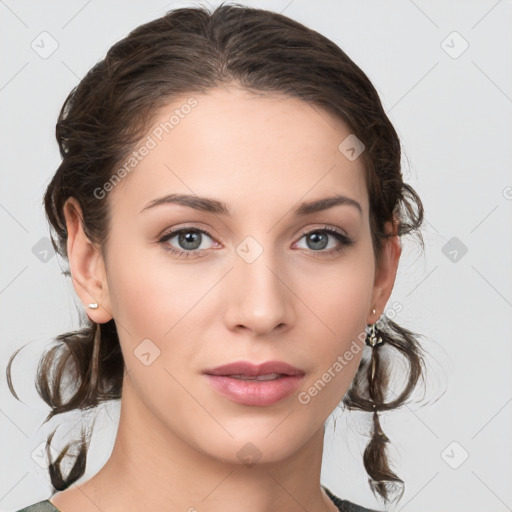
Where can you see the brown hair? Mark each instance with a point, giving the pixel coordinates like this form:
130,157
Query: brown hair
101,120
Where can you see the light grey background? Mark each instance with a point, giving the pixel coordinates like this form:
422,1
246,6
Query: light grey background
452,110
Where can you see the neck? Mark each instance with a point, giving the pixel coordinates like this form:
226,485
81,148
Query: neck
152,468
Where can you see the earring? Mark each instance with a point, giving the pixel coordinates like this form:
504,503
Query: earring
93,305
93,379
372,337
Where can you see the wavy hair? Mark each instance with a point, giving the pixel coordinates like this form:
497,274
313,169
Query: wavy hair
195,50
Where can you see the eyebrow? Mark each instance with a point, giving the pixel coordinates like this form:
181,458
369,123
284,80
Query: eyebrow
208,205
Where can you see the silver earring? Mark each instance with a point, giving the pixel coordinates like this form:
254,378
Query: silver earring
372,337
93,305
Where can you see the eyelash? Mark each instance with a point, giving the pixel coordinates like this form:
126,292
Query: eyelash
345,241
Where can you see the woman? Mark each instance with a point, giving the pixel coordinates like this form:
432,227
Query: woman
231,203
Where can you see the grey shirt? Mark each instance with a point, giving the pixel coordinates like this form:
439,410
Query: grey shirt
343,505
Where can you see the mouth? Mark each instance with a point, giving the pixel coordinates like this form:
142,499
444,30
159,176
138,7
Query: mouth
269,376
255,385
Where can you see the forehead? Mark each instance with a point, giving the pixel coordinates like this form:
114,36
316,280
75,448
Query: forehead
241,147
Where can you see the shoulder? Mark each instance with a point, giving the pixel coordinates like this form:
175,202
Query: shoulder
40,506
348,506
345,505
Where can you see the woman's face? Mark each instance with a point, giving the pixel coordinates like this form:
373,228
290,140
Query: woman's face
265,284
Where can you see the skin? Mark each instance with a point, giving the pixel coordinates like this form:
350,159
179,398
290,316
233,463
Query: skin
178,439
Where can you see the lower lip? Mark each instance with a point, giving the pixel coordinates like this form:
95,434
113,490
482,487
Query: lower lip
254,392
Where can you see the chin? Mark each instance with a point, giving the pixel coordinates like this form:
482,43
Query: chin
269,444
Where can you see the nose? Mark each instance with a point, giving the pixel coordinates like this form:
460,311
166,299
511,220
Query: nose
259,299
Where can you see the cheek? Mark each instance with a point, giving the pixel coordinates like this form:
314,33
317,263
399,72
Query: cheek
338,352
151,294
340,302
339,293
161,309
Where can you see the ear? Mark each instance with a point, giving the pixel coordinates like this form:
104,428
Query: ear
385,274
86,265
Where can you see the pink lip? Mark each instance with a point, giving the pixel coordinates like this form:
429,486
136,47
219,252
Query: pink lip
252,392
252,370
255,393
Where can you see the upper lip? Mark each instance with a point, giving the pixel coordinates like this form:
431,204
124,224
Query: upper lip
252,370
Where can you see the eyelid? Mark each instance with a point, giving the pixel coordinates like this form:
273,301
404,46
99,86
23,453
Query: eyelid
197,226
